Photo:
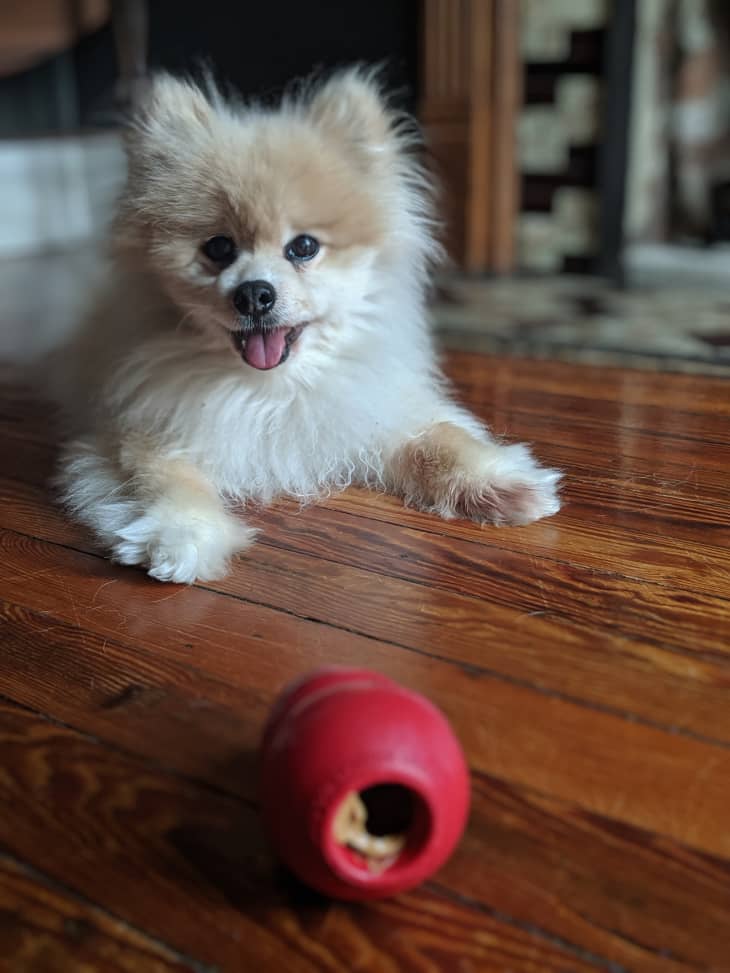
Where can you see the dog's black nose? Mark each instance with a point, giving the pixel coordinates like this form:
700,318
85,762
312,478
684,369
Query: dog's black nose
254,297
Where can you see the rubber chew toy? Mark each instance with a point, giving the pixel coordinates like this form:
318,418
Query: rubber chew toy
365,791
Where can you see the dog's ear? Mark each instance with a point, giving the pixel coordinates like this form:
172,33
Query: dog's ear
168,112
351,106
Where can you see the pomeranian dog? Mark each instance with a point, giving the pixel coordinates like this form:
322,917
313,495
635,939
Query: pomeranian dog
263,332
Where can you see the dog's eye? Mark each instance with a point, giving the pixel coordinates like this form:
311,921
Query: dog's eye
301,248
221,250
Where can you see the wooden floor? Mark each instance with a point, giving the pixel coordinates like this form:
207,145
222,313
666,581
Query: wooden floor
584,662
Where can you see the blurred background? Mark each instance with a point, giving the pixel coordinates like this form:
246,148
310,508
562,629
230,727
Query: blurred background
583,147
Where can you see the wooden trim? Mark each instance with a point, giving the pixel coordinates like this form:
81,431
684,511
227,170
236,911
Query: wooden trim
507,100
479,184
444,107
445,74
470,96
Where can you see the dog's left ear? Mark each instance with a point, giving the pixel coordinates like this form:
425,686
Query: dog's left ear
171,113
351,106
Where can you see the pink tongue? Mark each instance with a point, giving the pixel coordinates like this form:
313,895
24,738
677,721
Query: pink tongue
265,350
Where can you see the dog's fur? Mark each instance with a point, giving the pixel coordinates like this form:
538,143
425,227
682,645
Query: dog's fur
176,426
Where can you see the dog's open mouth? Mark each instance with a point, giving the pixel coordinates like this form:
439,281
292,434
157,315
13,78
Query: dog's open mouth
266,348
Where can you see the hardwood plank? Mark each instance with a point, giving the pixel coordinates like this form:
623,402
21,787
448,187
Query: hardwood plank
109,829
141,701
593,880
702,393
44,928
694,483
615,452
582,537
602,603
665,418
537,639
544,861
189,865
617,767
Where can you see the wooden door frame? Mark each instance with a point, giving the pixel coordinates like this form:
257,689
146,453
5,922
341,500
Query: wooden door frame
471,93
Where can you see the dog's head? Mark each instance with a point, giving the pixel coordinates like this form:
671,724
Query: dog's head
277,228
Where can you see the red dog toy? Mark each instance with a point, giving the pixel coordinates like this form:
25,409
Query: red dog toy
365,791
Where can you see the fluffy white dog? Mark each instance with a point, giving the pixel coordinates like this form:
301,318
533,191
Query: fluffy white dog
263,332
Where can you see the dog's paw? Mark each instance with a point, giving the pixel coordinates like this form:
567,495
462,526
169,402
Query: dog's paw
450,472
512,489
182,545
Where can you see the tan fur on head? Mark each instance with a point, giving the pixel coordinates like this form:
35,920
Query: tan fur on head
193,158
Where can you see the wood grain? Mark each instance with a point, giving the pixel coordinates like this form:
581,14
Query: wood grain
44,928
191,866
584,661
590,537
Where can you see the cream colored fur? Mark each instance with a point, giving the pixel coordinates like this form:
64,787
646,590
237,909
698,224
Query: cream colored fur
174,430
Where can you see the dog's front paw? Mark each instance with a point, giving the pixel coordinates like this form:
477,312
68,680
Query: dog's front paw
448,471
512,489
182,546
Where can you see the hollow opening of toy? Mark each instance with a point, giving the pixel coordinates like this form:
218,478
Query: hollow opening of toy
375,824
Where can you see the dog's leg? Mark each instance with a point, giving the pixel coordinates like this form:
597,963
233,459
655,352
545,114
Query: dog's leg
446,469
159,513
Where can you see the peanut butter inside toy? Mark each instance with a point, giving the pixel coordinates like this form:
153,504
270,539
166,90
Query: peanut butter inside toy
374,824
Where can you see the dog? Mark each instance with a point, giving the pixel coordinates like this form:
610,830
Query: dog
263,332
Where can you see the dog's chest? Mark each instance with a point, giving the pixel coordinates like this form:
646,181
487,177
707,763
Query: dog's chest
303,447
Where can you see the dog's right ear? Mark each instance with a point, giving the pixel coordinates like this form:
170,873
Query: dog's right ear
351,106
168,112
